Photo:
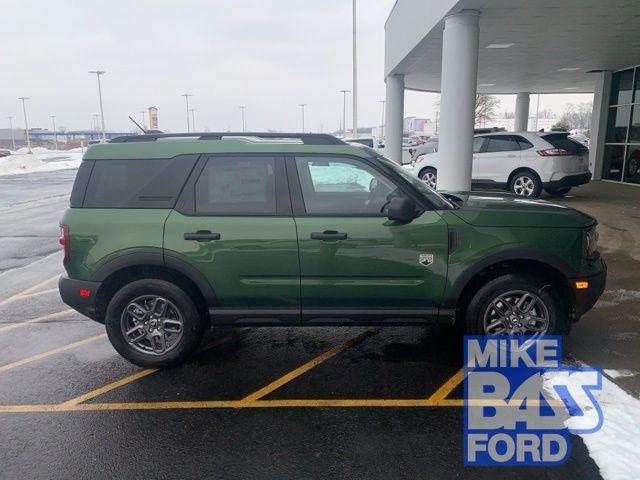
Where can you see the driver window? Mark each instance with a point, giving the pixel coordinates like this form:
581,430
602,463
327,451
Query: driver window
343,186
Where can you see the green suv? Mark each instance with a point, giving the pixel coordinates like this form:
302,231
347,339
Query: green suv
170,234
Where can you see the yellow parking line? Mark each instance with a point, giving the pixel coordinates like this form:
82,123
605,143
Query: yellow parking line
27,291
447,387
39,356
36,320
138,375
34,294
306,367
111,386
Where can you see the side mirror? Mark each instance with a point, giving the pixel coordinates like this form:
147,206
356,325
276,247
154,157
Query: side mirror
401,209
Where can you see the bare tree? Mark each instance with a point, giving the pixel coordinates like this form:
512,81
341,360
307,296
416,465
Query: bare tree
577,116
486,106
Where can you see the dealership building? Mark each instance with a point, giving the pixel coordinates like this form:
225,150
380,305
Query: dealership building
460,48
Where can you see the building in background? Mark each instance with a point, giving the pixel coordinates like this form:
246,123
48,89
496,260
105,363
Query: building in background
153,118
463,47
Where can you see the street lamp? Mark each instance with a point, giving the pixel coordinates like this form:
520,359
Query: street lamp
186,97
193,119
355,77
95,122
13,140
98,73
55,134
242,108
382,122
26,123
344,112
302,105
142,112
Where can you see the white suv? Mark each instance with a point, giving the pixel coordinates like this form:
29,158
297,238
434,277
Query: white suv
523,162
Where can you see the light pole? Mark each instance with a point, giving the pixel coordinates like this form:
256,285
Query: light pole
96,116
186,97
242,107
193,119
26,123
302,105
355,77
55,134
13,140
382,122
142,113
98,73
344,112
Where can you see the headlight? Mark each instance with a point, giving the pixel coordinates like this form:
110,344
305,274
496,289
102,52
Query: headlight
591,241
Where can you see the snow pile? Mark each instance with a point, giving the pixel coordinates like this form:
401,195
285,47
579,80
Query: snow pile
41,160
615,446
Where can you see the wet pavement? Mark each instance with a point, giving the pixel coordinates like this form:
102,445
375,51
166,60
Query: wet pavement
254,402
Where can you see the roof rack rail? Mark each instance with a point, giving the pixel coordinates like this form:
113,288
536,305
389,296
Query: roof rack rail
306,138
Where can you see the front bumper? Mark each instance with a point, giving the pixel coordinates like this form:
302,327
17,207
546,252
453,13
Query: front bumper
586,298
568,181
85,303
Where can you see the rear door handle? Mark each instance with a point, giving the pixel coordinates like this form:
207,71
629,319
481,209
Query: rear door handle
511,156
328,235
202,236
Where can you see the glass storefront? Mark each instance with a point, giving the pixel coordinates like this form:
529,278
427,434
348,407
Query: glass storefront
622,149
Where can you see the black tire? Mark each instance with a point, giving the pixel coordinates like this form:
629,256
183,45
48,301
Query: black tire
429,175
542,289
526,184
192,323
557,192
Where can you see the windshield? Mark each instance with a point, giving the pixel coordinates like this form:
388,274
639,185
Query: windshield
440,202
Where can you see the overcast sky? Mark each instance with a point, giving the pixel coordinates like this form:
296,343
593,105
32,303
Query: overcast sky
268,55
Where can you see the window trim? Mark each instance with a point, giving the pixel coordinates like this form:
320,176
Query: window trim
297,199
186,204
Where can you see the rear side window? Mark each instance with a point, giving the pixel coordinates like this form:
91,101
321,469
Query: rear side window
80,184
562,140
477,144
237,186
501,143
523,142
148,183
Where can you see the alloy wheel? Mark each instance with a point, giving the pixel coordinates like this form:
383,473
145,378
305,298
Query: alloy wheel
152,324
430,179
517,312
524,186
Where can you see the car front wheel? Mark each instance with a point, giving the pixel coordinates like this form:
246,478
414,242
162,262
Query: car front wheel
516,304
153,323
430,177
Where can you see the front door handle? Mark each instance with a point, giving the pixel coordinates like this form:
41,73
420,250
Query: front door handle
511,156
202,236
328,235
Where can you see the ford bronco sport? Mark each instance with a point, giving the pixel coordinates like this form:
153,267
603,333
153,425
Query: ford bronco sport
169,234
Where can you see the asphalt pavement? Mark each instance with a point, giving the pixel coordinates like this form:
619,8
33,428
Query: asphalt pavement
253,403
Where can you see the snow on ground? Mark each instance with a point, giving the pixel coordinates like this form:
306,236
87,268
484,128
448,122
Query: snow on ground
41,160
615,446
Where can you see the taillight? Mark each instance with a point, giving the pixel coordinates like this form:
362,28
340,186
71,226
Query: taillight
554,152
65,241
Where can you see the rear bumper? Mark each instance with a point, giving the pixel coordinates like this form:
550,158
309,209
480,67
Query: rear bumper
586,298
569,181
70,293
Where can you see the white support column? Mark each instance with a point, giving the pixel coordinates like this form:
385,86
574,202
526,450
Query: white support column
522,112
599,123
458,98
394,116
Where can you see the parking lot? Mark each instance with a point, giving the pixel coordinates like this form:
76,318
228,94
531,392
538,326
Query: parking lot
260,402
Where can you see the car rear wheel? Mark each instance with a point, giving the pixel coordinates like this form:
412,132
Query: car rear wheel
516,305
430,177
526,184
153,323
557,192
